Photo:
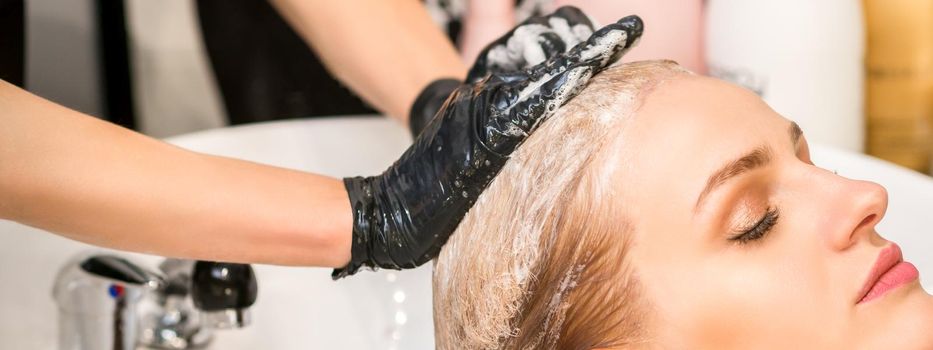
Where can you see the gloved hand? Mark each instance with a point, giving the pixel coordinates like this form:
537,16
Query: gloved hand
402,218
531,42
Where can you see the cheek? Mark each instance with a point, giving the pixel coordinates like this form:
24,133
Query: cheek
743,296
738,302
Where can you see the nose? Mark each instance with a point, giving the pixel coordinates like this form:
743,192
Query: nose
858,206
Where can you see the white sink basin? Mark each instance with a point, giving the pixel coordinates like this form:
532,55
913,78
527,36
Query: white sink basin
301,308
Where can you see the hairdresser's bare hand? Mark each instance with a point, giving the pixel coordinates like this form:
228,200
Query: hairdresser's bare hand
404,216
531,42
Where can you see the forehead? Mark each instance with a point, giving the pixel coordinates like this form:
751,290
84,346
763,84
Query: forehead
684,130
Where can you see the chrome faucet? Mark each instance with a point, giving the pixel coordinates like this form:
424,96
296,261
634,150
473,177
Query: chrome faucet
107,302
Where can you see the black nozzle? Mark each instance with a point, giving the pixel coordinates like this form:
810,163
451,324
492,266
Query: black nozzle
223,286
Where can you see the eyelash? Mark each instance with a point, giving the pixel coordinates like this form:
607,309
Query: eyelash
759,230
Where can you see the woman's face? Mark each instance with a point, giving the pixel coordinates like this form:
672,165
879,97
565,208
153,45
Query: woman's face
798,278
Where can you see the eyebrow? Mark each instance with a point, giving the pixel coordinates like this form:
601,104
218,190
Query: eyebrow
757,158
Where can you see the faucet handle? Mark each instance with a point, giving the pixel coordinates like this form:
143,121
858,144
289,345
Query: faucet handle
224,292
120,269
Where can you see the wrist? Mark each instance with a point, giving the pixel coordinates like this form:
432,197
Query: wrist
341,239
363,216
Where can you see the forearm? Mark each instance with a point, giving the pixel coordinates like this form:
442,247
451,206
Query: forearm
386,51
95,182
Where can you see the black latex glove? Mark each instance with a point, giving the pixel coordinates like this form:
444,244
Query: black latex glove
403,217
531,42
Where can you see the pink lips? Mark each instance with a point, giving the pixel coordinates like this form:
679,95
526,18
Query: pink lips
889,272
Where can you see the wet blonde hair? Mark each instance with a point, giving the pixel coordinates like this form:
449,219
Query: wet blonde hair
539,260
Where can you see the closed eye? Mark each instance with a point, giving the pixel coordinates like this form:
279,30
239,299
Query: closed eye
759,229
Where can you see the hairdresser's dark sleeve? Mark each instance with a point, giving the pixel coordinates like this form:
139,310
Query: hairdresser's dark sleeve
403,216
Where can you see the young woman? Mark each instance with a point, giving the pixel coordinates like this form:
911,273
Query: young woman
661,209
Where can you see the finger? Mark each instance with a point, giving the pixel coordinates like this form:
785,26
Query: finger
571,24
541,99
548,45
568,26
509,52
531,106
550,85
600,50
609,43
573,16
533,41
531,44
539,39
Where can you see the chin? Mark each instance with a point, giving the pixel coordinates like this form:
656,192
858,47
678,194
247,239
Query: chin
901,320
